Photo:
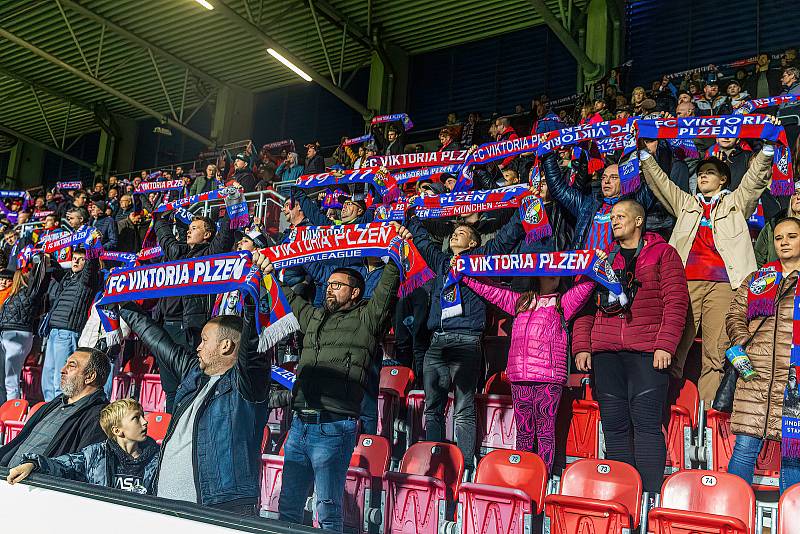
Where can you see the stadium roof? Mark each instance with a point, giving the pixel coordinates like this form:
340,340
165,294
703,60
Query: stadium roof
66,64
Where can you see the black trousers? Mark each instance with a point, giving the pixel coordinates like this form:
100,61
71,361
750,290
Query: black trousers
632,395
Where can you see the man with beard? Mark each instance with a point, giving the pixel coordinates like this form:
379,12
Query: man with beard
339,345
71,421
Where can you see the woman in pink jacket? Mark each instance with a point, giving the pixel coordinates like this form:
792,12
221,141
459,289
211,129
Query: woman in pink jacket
537,360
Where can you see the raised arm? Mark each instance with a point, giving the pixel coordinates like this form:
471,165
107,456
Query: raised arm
253,367
223,238
576,297
505,299
172,248
754,181
506,238
310,209
383,298
669,194
168,354
301,309
567,196
438,261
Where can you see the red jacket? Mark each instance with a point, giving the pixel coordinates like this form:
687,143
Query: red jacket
658,314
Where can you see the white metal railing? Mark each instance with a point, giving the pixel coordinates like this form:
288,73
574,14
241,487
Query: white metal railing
257,203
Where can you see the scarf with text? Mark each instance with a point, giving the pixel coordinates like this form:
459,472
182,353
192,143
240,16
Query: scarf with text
380,179
356,140
762,296
157,187
568,263
432,173
86,237
278,144
66,186
760,103
236,207
319,243
208,275
418,159
738,126
395,117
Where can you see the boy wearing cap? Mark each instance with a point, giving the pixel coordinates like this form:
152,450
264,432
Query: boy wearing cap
712,239
127,460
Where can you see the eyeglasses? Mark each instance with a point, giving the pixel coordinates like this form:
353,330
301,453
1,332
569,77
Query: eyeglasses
336,286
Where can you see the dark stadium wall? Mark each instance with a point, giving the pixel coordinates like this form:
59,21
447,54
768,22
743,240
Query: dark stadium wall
155,149
673,36
56,169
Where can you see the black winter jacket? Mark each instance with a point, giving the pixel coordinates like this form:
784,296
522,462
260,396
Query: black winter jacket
130,236
81,429
107,227
196,309
21,310
71,297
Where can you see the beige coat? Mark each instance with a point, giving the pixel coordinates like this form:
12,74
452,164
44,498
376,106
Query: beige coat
731,234
758,404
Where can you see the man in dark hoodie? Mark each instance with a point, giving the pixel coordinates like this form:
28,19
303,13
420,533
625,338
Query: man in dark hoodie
127,460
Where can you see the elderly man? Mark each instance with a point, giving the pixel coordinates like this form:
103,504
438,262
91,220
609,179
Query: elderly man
71,421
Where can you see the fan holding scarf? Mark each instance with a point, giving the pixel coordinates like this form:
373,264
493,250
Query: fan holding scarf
763,318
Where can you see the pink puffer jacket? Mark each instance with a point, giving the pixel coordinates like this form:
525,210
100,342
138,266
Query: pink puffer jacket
538,350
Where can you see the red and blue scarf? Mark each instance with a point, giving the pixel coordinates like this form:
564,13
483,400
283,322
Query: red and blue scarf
356,140
383,182
66,186
418,159
153,187
86,237
760,103
568,263
433,173
278,144
207,275
319,243
235,205
395,117
738,126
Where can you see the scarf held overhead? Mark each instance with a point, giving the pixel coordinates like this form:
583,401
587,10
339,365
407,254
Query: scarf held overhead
150,187
736,126
208,275
395,117
418,159
569,263
319,243
383,182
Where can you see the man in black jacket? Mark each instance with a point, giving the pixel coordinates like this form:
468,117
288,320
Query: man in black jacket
315,163
184,317
104,224
130,232
70,298
242,173
69,422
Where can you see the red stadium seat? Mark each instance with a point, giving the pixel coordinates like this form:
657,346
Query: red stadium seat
707,502
583,437
509,489
11,429
157,425
497,428
394,384
151,395
271,480
498,384
766,476
121,386
789,510
32,410
31,389
598,496
138,367
416,497
683,420
415,410
362,487
265,439
11,410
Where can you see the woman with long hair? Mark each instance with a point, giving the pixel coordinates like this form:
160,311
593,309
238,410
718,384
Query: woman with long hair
18,316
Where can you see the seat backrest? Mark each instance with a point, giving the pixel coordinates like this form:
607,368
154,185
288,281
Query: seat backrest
689,398
434,459
520,470
151,394
265,439
13,410
140,366
33,409
605,480
498,384
710,492
397,379
157,424
372,453
789,510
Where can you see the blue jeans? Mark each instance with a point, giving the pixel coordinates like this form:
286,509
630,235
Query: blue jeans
743,462
318,455
60,345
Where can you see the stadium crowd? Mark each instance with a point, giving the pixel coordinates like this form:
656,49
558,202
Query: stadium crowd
700,246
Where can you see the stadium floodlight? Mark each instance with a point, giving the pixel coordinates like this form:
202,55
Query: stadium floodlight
205,4
289,64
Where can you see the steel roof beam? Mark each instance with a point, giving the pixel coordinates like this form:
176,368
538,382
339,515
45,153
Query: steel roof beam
105,87
44,89
75,6
45,146
591,68
258,33
343,23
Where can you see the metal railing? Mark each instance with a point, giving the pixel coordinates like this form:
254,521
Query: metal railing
257,204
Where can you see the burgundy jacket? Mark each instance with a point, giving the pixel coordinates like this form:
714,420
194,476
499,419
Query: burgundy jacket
657,317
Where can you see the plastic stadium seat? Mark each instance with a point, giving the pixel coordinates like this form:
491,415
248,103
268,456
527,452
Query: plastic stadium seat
683,420
271,481
265,439
32,410
10,430
498,384
11,410
415,410
395,382
509,489
766,476
597,496
31,389
157,425
583,438
121,386
707,502
789,510
362,487
151,396
416,498
138,367
497,428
